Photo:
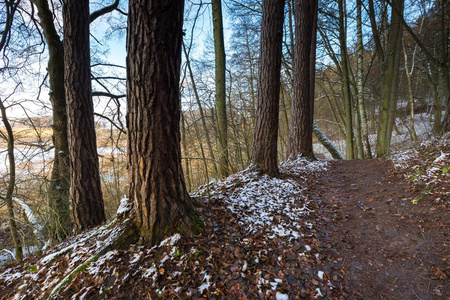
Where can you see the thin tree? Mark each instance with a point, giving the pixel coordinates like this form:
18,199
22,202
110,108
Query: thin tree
264,155
60,224
156,183
10,10
367,153
221,109
302,113
9,136
345,73
85,188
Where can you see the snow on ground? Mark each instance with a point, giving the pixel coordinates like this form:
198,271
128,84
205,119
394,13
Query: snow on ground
271,208
427,168
267,204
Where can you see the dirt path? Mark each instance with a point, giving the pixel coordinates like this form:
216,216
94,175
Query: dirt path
388,247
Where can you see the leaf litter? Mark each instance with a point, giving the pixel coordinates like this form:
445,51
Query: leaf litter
264,238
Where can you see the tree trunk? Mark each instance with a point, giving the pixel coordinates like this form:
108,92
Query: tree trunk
60,224
349,153
221,109
11,184
444,77
266,131
155,176
367,153
302,113
412,130
327,143
85,189
389,79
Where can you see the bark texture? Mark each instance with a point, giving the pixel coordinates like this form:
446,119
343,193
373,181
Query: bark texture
60,224
301,123
266,130
85,189
156,182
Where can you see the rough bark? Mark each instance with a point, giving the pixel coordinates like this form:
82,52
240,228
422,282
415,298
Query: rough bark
156,183
85,189
60,224
302,113
221,110
264,155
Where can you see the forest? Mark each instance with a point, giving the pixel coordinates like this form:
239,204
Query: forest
235,149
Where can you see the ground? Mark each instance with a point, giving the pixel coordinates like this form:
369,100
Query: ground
372,229
388,247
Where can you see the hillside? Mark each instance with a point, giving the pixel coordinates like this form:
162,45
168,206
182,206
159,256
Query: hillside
327,229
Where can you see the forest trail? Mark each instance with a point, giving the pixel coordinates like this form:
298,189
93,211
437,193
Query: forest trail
388,247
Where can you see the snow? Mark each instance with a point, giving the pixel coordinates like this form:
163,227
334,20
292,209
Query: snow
320,274
280,296
319,293
206,285
272,207
37,227
257,199
440,158
124,206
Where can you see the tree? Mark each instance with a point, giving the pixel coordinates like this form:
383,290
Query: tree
221,110
60,219
389,61
85,189
302,114
367,153
9,136
10,9
156,183
266,131
346,83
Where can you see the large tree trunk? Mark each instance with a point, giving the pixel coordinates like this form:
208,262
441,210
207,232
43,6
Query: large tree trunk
302,113
266,130
155,176
85,189
221,109
60,224
389,79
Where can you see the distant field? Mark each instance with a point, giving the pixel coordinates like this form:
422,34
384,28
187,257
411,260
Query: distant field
25,136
